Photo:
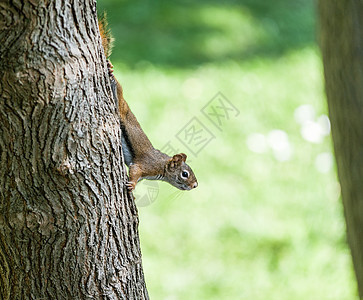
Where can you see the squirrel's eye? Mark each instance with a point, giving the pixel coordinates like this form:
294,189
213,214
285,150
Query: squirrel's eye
184,174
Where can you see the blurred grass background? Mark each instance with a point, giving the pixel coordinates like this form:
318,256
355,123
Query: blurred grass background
266,221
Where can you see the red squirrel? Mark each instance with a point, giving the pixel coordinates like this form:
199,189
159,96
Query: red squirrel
143,160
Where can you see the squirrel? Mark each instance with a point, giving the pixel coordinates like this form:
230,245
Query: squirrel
143,160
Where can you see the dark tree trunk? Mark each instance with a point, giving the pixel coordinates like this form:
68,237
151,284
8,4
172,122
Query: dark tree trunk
68,229
341,34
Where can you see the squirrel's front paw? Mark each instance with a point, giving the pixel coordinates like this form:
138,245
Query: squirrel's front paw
130,185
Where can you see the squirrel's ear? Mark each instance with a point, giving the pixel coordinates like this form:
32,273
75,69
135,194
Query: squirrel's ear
183,156
176,161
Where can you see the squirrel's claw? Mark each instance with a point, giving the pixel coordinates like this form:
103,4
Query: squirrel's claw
130,185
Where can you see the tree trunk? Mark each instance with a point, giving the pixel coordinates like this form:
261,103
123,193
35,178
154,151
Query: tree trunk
68,228
341,34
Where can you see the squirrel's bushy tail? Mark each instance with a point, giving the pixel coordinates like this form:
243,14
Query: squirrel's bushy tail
107,39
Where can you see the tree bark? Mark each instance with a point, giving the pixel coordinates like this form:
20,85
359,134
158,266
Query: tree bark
68,228
341,37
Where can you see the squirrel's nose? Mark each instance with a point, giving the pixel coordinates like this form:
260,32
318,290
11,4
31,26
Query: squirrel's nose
195,185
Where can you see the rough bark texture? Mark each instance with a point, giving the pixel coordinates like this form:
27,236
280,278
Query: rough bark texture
341,34
68,229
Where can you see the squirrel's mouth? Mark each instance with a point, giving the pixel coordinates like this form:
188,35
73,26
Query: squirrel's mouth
184,188
189,187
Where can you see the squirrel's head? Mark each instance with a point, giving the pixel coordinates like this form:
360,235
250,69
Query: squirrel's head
179,174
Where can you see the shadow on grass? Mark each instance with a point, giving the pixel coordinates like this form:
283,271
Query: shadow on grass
188,33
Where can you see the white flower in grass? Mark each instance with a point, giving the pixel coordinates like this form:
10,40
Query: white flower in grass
324,162
312,132
324,123
256,142
304,113
278,140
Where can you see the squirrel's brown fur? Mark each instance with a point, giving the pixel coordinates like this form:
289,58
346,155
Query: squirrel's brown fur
143,160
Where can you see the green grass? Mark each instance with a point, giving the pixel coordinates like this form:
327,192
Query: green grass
256,227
